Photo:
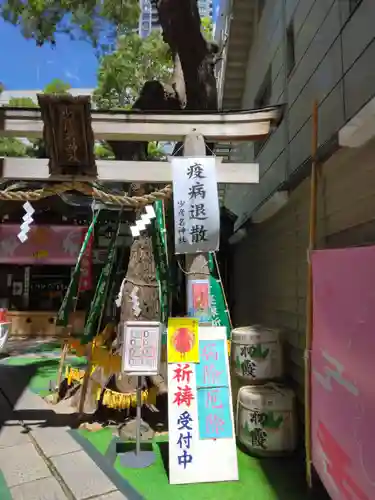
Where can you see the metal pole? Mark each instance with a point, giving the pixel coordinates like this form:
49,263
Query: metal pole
138,458
138,417
196,264
309,311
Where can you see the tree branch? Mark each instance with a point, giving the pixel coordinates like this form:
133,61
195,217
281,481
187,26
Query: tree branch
181,27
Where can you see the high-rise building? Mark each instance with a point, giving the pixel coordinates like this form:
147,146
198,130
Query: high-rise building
148,20
205,8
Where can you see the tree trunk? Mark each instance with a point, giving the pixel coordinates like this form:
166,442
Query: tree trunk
193,87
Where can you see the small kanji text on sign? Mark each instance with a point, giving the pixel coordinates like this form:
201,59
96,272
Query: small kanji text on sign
196,205
183,397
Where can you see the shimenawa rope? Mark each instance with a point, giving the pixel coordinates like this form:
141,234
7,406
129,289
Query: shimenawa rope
98,194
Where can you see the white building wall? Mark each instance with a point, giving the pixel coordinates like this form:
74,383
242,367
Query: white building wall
6,95
334,54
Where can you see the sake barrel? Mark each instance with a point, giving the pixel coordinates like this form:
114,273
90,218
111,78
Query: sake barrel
236,384
256,354
266,420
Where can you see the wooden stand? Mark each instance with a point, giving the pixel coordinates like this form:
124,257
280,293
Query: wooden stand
64,353
85,382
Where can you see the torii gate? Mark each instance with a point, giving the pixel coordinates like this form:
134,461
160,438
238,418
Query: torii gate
70,127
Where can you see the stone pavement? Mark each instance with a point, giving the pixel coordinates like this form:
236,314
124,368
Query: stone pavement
40,460
18,345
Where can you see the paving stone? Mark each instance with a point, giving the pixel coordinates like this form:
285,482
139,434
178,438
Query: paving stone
12,435
31,401
22,464
64,407
84,478
116,495
33,409
55,441
43,489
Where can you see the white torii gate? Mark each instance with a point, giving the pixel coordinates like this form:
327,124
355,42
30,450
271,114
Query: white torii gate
214,127
192,128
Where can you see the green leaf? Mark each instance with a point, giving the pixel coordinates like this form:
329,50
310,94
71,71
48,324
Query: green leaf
21,102
207,28
40,20
122,73
10,146
270,422
57,87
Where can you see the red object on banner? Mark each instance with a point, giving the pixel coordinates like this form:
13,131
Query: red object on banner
85,280
3,316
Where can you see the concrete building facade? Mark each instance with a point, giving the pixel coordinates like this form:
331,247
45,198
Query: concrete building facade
293,52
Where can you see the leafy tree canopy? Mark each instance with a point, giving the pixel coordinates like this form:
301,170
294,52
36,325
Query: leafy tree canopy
21,102
207,28
122,73
57,86
103,151
154,151
41,20
11,146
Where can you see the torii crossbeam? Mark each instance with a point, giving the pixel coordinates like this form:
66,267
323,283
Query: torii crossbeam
239,126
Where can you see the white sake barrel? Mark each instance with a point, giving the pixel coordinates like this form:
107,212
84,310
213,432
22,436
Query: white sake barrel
256,354
236,384
266,420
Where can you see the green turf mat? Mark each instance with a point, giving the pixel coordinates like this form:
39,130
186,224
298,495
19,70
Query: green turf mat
266,479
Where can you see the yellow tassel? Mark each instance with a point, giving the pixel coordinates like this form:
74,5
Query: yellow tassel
121,401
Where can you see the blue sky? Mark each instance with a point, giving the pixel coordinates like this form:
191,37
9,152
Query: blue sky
24,66
215,9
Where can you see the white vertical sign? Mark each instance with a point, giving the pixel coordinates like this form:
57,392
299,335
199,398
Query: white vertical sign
196,204
211,455
183,423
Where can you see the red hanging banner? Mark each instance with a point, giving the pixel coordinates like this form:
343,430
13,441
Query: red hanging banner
85,281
